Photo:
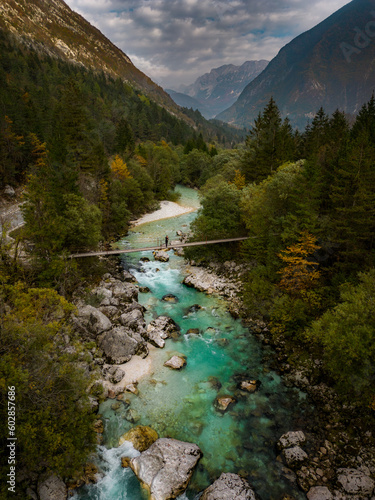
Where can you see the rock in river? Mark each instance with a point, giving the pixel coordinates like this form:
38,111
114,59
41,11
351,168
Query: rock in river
166,467
176,362
161,255
229,487
141,437
160,329
170,298
222,403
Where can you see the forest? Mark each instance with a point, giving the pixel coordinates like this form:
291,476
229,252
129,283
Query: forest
91,154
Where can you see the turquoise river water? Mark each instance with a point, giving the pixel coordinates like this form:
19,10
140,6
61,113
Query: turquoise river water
179,404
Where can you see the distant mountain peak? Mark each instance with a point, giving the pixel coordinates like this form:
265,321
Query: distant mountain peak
217,90
331,66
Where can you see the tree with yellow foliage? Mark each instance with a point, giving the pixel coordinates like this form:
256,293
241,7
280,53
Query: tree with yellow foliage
299,273
120,169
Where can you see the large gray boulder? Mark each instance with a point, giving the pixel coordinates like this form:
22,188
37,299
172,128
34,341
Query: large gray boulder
229,487
118,345
91,321
166,467
134,320
354,481
160,329
51,487
161,255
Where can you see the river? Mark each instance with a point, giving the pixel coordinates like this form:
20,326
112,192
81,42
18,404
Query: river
179,404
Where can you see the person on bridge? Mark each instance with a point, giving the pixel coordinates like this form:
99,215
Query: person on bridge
166,241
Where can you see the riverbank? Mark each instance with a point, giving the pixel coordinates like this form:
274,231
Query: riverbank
168,209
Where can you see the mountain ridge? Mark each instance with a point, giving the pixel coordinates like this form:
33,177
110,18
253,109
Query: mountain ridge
51,27
312,71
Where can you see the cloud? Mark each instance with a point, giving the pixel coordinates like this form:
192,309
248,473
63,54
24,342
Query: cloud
175,41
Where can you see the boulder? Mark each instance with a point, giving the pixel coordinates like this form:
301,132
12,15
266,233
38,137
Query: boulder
160,329
291,439
354,481
176,362
113,373
222,403
170,298
133,319
294,456
132,416
51,487
166,467
194,308
141,437
103,295
319,493
229,487
128,277
161,255
9,191
91,321
125,462
249,385
193,331
118,345
144,289
124,292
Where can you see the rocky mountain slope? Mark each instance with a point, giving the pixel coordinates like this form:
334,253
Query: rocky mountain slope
215,91
51,27
331,65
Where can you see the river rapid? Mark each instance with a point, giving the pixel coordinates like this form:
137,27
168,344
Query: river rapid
179,404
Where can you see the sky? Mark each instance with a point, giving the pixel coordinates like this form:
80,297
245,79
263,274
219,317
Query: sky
176,41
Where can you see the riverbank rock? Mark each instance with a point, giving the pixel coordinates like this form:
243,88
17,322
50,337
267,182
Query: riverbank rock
52,487
113,373
141,437
222,403
204,280
161,329
176,362
229,487
90,321
166,467
134,320
118,345
354,481
161,255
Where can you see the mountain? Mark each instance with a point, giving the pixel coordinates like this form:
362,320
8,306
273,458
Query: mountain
217,90
332,65
51,27
186,101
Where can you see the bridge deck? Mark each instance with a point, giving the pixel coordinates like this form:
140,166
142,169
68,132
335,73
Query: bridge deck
171,246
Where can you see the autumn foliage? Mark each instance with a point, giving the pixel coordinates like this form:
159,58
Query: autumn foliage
300,272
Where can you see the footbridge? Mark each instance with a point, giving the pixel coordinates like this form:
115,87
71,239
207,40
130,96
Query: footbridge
171,246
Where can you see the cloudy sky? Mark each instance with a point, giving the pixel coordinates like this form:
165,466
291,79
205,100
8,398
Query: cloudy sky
175,41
